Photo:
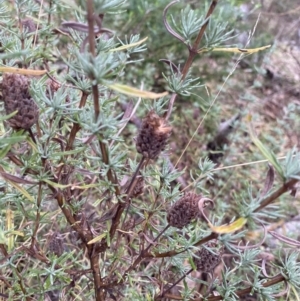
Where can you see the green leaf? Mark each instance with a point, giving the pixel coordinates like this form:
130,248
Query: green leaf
264,150
2,118
6,143
12,140
86,186
72,5
4,151
192,263
66,153
56,185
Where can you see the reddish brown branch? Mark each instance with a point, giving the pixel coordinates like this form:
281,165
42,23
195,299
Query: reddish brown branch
239,293
76,126
283,189
38,215
94,258
122,206
194,49
192,53
176,252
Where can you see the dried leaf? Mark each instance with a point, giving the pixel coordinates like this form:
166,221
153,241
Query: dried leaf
9,227
128,111
56,185
202,204
15,179
23,71
97,238
238,224
21,190
136,92
171,64
269,181
264,150
124,47
285,239
236,50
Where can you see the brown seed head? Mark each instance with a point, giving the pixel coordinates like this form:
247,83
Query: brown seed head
16,97
28,25
52,85
153,135
206,261
56,244
184,210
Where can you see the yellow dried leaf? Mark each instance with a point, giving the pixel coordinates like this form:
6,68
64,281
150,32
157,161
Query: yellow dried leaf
136,92
21,190
10,227
236,50
236,225
23,71
97,238
124,47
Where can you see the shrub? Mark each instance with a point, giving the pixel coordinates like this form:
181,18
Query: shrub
91,212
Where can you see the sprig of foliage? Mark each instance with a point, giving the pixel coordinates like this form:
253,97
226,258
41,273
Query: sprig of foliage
96,212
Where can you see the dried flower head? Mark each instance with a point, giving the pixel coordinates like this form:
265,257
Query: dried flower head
16,97
53,86
184,210
206,261
56,244
28,25
153,135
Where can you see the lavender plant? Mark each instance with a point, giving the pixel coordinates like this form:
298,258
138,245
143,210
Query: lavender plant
90,212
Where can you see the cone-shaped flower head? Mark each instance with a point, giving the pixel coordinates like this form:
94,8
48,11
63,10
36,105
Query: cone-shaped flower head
16,97
56,244
153,135
206,261
184,210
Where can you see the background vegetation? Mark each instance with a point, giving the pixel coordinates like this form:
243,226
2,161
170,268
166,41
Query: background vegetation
87,213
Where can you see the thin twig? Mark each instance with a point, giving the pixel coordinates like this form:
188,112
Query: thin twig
173,285
121,206
192,54
276,194
38,215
